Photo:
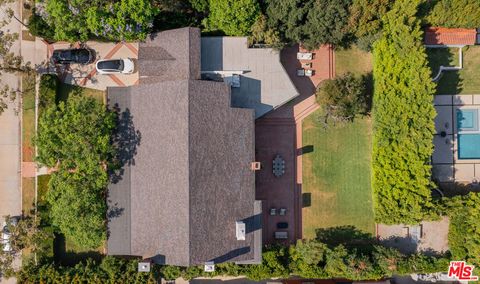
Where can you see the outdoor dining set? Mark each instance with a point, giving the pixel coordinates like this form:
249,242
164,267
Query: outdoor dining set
306,69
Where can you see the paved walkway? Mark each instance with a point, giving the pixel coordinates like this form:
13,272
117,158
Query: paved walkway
10,191
280,132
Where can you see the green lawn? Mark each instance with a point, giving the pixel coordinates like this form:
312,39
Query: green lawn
65,90
28,130
352,60
465,81
28,117
336,175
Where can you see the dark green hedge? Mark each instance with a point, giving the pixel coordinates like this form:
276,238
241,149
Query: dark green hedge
308,259
464,230
403,115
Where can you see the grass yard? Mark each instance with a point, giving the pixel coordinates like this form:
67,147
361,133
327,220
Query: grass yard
464,81
28,117
353,60
65,90
28,131
336,175
28,194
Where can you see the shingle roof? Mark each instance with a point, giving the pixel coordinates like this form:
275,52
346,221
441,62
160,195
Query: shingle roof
190,179
446,36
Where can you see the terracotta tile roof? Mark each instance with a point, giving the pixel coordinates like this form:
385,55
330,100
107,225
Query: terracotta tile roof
446,36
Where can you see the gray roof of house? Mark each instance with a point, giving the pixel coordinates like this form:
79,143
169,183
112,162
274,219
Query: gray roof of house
265,85
189,179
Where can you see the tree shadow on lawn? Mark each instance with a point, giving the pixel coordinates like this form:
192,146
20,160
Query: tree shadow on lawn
64,256
348,236
450,82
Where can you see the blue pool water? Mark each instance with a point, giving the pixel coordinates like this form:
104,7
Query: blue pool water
469,146
467,119
468,135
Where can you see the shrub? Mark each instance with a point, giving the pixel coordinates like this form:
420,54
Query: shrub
47,91
455,14
109,270
343,97
403,115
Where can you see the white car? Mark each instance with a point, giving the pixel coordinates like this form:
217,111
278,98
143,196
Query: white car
6,235
115,66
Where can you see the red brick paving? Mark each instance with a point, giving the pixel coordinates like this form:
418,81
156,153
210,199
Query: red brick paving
116,80
280,132
28,169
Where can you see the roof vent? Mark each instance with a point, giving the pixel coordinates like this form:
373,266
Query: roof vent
209,266
240,225
144,267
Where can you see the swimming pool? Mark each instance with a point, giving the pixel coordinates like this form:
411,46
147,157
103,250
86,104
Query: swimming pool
468,134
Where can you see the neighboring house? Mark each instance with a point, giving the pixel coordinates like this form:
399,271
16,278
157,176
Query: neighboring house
257,76
188,187
446,37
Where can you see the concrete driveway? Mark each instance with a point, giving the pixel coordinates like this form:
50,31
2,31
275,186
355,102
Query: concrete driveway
87,76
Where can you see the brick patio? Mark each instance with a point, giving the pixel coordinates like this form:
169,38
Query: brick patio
280,132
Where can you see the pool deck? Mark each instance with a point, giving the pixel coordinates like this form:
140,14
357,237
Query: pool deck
447,168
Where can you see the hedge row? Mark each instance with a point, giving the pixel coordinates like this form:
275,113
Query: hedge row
403,116
308,259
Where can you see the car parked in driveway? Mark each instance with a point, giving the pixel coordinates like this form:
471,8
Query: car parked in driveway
115,66
6,235
77,55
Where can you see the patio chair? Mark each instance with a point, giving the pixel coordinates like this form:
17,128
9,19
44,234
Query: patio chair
273,211
304,55
283,211
309,73
301,72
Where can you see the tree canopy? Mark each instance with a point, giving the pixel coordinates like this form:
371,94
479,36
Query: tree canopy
343,97
454,14
311,22
74,137
232,17
10,61
112,20
366,20
403,117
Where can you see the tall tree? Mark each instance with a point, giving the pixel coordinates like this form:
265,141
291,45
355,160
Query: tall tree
366,20
10,61
75,20
75,138
312,22
232,17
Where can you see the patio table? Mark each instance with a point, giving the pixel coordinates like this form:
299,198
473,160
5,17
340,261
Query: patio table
278,166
